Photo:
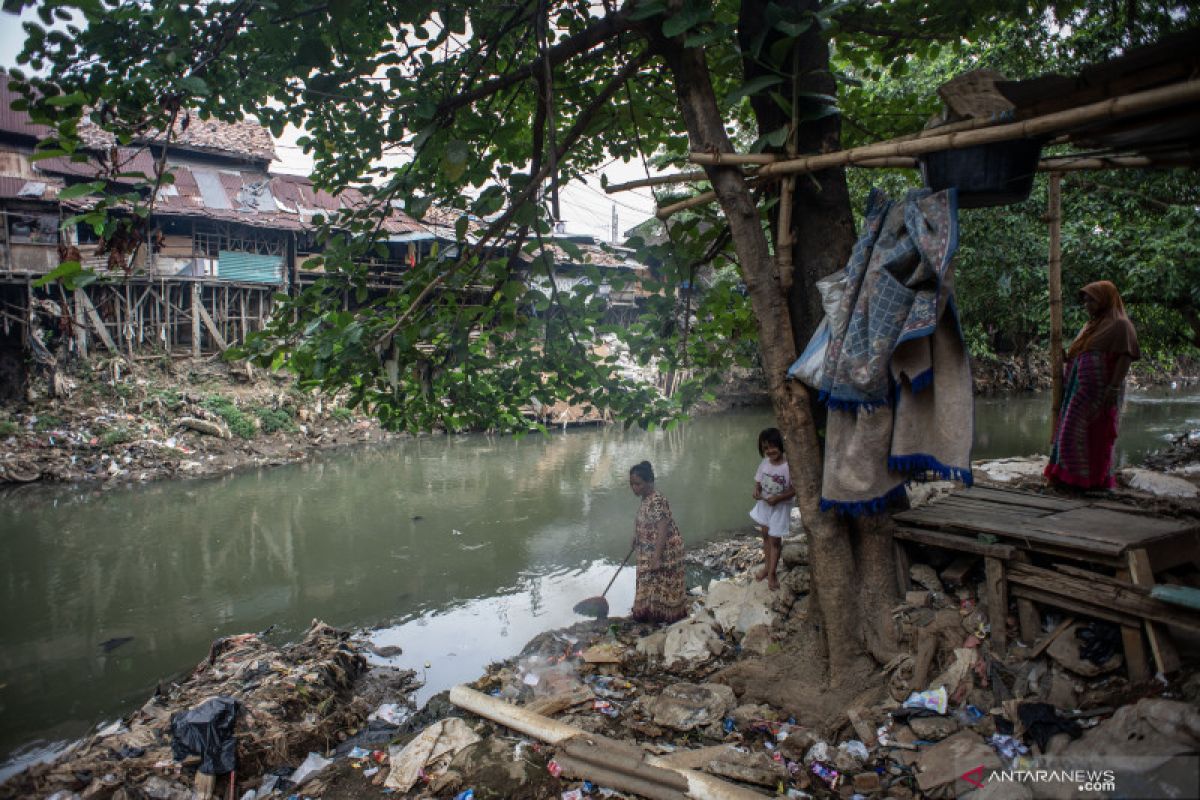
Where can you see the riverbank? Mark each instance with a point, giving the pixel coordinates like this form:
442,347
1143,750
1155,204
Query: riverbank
617,709
160,418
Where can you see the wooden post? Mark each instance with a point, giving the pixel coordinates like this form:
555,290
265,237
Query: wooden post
195,320
1054,216
997,600
1165,655
80,325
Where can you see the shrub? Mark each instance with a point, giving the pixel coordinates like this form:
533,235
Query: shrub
9,428
46,422
275,419
115,436
239,424
342,414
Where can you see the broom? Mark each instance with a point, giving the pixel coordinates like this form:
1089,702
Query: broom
597,606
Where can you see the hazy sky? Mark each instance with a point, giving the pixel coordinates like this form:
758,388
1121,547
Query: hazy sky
585,208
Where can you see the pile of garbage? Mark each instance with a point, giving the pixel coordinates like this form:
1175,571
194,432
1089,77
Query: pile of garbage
251,717
611,708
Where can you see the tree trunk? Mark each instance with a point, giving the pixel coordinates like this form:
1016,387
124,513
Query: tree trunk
829,542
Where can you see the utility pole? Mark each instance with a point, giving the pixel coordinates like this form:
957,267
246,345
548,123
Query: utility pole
614,223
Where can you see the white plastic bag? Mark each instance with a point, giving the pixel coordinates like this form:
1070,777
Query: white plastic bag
810,366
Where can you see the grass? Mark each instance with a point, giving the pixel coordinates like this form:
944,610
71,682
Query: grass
275,419
239,423
342,414
46,422
114,436
9,428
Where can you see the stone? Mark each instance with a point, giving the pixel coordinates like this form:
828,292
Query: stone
797,581
865,782
797,743
933,729
757,640
687,706
652,646
851,756
920,494
942,764
743,715
740,604
750,767
920,598
687,641
1009,470
1158,484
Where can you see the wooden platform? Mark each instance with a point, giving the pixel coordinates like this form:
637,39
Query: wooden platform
1054,551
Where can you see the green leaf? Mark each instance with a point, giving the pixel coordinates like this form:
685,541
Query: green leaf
684,21
80,190
752,86
194,84
63,100
62,272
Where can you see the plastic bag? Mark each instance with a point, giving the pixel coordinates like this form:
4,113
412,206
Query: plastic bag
207,731
810,366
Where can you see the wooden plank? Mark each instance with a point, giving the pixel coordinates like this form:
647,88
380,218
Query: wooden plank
1165,655
1124,530
80,326
1090,575
1028,619
213,328
1136,663
956,573
1015,528
1050,637
951,541
1019,498
97,323
1131,603
997,599
1055,600
903,576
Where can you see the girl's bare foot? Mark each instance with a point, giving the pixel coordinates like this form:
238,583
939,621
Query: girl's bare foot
773,584
761,574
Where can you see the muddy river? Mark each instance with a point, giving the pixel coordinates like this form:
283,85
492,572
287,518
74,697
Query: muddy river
458,549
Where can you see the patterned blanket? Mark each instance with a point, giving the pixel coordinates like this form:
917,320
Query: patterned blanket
895,374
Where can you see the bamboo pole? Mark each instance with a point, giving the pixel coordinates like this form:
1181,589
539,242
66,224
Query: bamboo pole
522,720
1054,217
1113,108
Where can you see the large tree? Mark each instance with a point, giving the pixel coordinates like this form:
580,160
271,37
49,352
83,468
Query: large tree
491,106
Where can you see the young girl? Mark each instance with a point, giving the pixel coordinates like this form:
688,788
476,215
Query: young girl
773,491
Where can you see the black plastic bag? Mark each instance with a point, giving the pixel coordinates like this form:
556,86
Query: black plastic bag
1042,722
207,731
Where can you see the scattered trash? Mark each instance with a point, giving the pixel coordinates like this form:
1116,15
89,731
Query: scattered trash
934,700
313,764
207,731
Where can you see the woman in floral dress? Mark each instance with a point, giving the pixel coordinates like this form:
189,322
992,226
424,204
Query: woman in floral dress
660,595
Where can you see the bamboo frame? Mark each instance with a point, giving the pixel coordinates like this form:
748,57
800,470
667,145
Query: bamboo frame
1057,122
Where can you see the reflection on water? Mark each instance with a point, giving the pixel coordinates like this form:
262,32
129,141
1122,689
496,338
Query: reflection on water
461,548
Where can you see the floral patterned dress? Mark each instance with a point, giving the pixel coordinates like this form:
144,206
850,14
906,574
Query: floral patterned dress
660,595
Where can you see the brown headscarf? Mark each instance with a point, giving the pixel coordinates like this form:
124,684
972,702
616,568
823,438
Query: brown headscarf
1110,330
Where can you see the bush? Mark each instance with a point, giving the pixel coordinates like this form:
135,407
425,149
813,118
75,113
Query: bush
275,419
115,436
9,428
342,414
46,422
239,424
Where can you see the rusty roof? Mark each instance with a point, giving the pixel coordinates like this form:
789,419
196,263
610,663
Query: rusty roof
12,188
16,122
245,139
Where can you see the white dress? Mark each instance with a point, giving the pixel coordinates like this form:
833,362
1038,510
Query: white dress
774,479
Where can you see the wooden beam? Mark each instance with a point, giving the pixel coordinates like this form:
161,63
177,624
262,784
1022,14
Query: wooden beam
212,328
1101,595
997,599
97,323
950,541
1054,217
1136,663
1165,655
81,338
195,320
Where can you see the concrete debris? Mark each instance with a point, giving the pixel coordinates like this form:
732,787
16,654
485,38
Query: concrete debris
688,706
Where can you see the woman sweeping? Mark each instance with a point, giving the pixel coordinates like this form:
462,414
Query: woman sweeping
1097,361
660,596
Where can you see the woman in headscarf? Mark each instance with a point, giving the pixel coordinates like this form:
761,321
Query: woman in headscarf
660,594
1097,361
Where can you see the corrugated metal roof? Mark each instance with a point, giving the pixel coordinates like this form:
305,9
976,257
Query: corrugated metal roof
12,188
16,122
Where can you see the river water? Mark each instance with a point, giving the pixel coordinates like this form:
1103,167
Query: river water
458,549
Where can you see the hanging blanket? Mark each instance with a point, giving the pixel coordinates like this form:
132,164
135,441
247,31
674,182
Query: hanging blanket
895,376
